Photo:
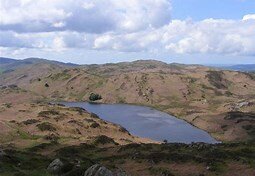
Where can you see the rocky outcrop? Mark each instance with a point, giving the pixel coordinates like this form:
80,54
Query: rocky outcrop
98,170
120,172
55,167
2,153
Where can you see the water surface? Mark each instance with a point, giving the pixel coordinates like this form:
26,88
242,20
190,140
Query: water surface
147,122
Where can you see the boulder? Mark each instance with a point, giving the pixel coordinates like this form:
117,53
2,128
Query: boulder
98,170
120,172
2,153
55,167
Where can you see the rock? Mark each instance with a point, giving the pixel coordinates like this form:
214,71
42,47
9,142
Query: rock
98,170
2,153
120,172
242,104
55,167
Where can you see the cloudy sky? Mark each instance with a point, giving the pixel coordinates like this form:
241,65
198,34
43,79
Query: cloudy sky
99,31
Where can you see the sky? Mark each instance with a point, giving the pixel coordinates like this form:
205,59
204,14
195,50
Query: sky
103,31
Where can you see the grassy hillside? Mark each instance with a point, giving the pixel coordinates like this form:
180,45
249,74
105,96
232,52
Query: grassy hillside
135,159
200,95
34,132
27,120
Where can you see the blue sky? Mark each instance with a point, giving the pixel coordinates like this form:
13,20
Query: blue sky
202,9
84,31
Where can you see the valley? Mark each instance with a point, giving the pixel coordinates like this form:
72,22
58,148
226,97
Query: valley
220,102
199,95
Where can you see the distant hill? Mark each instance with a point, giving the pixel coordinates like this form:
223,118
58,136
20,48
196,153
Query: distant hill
238,67
9,64
4,60
242,67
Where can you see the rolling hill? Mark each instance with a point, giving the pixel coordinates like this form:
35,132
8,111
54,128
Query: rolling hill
202,96
8,64
35,133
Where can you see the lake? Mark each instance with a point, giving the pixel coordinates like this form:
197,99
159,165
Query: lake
147,122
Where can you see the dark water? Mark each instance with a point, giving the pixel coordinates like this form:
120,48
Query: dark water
147,122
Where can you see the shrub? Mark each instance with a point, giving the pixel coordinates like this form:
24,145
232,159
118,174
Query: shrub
228,93
95,97
94,125
30,121
46,126
48,113
93,115
238,115
104,140
8,105
165,141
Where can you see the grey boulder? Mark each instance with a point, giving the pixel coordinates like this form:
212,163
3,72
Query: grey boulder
55,167
99,170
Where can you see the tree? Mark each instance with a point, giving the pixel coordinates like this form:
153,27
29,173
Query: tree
165,141
94,97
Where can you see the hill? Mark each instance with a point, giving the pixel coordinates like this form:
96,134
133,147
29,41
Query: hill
35,132
238,67
243,67
8,64
4,60
205,97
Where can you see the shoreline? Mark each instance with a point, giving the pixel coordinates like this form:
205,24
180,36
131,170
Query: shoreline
147,106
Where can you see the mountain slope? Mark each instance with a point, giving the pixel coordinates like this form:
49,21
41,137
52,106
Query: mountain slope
33,132
200,95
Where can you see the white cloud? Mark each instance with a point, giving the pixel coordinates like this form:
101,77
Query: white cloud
103,42
58,44
211,36
59,24
249,17
125,26
88,5
92,16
